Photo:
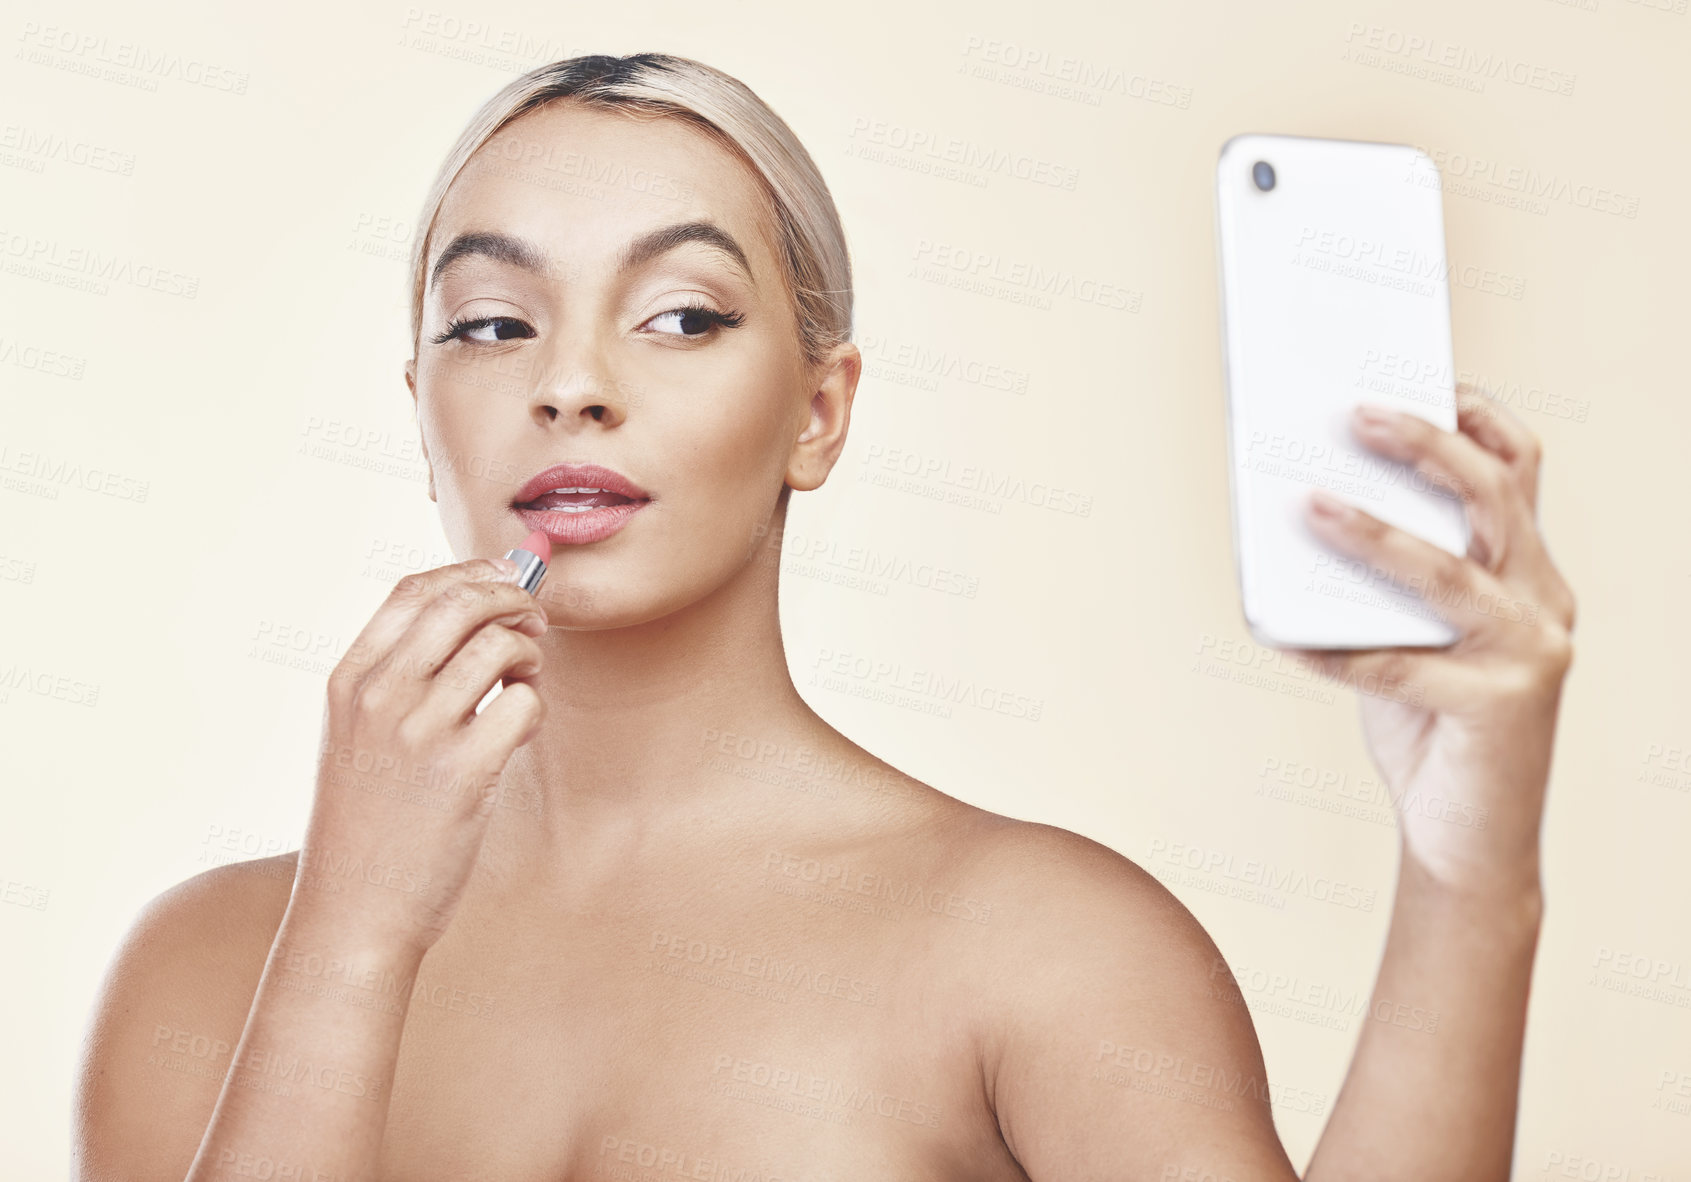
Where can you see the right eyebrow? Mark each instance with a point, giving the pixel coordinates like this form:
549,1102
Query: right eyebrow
504,248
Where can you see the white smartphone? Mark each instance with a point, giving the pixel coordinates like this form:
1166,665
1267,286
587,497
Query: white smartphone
1334,291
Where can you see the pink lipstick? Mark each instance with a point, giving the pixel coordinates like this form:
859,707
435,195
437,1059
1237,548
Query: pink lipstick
531,559
573,504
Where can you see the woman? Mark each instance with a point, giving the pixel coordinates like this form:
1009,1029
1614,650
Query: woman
647,915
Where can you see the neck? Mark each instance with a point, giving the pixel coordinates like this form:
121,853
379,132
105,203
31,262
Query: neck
633,715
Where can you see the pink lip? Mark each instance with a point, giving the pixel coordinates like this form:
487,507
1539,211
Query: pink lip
583,526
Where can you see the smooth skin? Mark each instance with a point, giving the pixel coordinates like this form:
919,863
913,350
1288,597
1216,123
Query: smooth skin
648,915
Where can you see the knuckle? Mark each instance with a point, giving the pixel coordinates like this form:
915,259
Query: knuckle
463,593
343,681
1449,570
1392,666
370,701
1369,528
412,586
413,732
496,642
1497,483
527,700
1558,649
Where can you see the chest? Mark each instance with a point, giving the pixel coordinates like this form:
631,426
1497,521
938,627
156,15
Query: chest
689,1043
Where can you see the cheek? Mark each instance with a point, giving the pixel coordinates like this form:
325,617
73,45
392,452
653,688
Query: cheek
736,437
726,445
464,454
461,422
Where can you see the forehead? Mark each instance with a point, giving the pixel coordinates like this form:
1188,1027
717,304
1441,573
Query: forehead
581,182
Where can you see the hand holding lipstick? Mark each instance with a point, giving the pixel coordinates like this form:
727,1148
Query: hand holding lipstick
409,770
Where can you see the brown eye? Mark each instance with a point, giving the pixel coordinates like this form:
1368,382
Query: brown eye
694,320
504,328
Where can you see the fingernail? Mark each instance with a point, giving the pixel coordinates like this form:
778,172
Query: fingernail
1328,506
1376,417
508,567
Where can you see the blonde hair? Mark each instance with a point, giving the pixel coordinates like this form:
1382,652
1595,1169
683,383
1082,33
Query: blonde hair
807,226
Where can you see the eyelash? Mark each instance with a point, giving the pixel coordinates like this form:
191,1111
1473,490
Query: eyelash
718,320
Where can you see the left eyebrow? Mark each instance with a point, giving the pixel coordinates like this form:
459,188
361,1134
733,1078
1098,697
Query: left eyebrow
520,252
660,241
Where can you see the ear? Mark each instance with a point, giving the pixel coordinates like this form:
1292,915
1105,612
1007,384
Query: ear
818,446
411,384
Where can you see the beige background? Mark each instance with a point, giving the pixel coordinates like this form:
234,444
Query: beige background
273,401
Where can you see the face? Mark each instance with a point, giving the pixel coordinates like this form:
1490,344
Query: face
605,290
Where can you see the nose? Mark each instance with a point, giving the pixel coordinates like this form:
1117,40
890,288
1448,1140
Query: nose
578,390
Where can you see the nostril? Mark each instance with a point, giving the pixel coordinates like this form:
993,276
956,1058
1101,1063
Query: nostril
598,413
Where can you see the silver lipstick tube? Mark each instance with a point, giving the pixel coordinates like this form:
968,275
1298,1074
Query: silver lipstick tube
530,570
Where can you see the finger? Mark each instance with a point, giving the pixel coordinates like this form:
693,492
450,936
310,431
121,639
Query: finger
1495,428
401,678
400,609
1457,465
1465,594
1423,678
493,653
510,720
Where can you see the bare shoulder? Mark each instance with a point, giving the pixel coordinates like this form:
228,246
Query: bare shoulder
168,1016
1112,1040
1075,897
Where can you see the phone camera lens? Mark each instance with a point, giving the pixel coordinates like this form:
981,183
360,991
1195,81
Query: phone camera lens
1262,172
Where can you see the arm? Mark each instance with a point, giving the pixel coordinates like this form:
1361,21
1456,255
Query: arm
1463,736
300,1082
298,1085
1431,1090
